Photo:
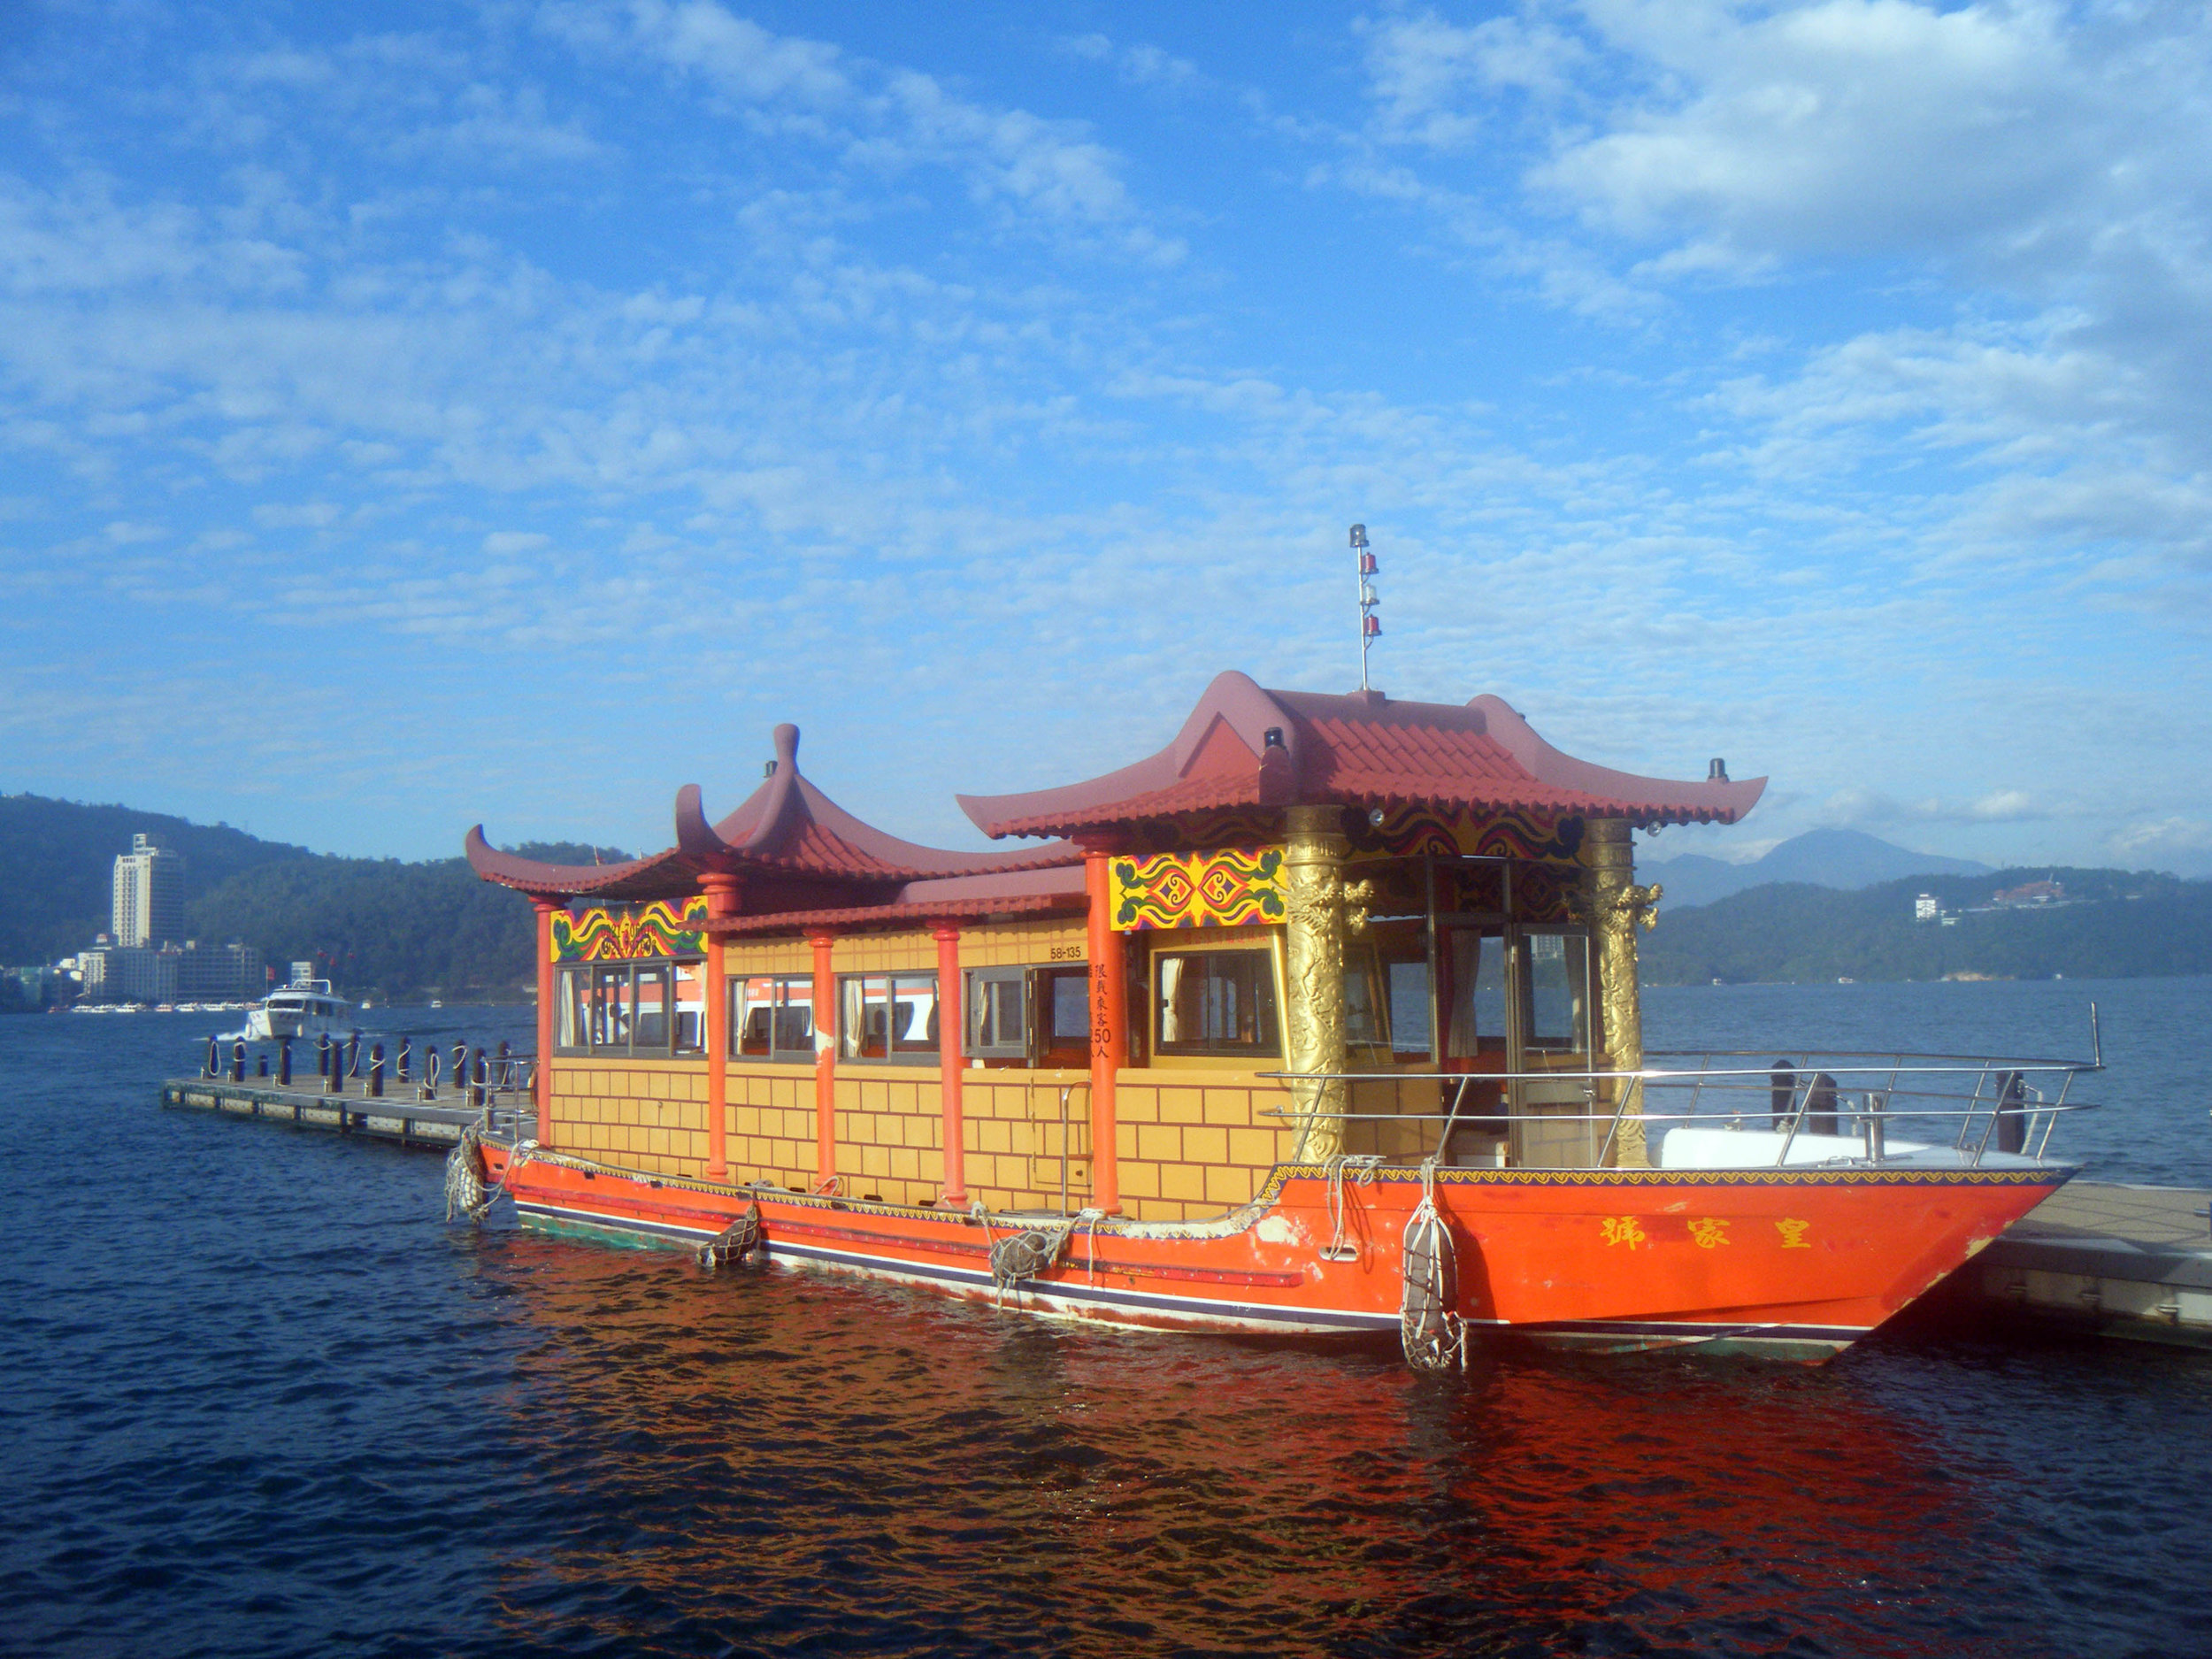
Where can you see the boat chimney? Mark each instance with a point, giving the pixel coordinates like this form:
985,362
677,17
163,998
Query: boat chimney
1717,772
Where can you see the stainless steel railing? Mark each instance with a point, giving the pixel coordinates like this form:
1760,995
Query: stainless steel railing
1975,1104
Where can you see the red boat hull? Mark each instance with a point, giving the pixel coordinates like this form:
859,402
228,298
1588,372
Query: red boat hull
1795,1263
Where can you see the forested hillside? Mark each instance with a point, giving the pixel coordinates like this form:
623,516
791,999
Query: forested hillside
2125,925
379,927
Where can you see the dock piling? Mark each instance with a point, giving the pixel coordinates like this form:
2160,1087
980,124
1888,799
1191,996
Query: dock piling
376,1072
284,1063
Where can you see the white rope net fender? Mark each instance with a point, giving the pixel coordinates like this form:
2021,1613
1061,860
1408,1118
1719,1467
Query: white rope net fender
1430,1329
469,1190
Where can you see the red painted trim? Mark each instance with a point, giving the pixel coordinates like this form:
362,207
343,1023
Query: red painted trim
951,1032
546,981
824,1062
1110,1033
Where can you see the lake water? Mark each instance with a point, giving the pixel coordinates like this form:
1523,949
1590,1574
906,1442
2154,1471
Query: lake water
260,1400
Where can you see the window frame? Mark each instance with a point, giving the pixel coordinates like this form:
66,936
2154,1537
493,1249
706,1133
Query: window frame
576,983
776,1053
1270,1043
1036,1046
973,1005
895,1054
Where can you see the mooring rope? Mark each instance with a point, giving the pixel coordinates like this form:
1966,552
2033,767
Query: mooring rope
1433,1335
1031,1254
1361,1168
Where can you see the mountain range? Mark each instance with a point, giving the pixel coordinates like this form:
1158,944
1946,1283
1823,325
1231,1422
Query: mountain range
1847,860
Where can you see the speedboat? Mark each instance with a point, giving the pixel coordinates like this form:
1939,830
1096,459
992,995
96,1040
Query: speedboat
305,1007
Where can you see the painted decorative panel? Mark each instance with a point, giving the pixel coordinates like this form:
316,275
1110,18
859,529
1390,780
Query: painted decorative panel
1409,832
625,932
1222,888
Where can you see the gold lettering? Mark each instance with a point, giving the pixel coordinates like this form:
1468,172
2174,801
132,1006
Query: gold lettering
1792,1233
1708,1233
1622,1230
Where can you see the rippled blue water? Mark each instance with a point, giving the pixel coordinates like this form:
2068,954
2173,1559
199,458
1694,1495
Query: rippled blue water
258,1400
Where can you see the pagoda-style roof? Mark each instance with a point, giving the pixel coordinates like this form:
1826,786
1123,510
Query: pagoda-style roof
1246,747
790,844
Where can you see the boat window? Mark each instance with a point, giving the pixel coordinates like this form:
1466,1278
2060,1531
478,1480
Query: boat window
1063,1001
1559,992
774,1016
1215,1002
1038,1015
650,1031
1475,1007
610,1009
888,1017
691,1007
1363,1007
575,1027
996,1006
634,1008
1407,982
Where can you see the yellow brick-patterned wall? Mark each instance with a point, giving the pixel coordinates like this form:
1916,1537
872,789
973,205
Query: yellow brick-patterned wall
1192,1144
645,1115
1043,940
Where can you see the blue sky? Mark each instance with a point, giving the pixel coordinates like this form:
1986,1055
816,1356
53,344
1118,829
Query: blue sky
411,415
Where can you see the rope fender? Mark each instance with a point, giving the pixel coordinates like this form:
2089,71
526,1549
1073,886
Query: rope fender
1430,1329
734,1242
468,1192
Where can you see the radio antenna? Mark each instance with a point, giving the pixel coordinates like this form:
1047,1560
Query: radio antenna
1370,624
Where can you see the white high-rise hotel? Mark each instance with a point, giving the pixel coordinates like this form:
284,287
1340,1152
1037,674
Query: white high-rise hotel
148,894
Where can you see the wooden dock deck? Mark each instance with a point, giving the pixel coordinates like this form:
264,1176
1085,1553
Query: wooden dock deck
396,1115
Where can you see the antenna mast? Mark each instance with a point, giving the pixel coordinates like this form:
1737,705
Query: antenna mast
1370,624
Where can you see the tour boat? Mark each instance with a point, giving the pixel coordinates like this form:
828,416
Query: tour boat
305,1007
1322,1019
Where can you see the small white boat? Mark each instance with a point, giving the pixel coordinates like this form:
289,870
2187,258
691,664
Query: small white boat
305,1007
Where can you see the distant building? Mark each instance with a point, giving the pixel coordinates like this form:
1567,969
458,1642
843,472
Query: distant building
148,894
2031,893
129,973
1926,909
220,973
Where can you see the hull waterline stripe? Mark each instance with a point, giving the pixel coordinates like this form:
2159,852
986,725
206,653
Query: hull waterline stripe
969,1279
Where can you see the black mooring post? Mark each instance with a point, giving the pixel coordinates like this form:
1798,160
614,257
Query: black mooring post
481,1071
238,1061
406,1053
284,1063
214,1065
353,1055
1781,1093
322,1058
430,1072
460,1068
261,1065
376,1072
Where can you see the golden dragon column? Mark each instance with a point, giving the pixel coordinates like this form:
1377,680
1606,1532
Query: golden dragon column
1616,907
1313,895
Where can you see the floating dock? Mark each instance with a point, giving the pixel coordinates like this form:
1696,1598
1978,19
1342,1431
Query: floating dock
395,1116
2128,1262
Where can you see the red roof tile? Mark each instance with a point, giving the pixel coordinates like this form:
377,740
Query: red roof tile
1246,747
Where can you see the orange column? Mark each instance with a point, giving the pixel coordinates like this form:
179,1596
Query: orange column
825,1064
547,980
721,891
951,1034
1110,1033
